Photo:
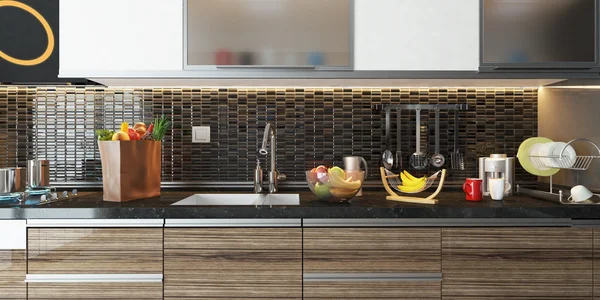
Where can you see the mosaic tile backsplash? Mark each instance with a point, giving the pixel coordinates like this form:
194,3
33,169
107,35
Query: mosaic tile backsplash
314,126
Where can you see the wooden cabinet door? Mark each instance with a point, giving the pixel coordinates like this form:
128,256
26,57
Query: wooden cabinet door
596,263
95,291
372,250
372,263
233,263
12,274
94,250
517,263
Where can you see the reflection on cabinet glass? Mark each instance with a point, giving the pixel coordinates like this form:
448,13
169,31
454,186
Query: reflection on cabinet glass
268,33
539,31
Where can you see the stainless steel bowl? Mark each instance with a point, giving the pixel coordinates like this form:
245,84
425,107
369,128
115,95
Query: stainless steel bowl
13,180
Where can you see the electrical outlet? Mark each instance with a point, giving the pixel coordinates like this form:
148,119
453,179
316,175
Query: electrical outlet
201,134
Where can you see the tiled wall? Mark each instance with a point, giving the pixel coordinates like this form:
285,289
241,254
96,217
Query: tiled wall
314,126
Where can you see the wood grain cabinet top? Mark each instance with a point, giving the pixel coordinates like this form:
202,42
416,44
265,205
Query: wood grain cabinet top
517,263
372,250
232,263
95,291
95,250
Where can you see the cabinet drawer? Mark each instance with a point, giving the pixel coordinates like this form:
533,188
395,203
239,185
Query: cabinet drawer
95,291
230,263
372,250
12,274
94,250
414,290
517,263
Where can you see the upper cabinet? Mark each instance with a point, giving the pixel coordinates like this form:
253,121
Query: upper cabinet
268,34
539,34
417,35
120,36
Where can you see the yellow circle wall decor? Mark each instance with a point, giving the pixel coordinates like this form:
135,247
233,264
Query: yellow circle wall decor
41,19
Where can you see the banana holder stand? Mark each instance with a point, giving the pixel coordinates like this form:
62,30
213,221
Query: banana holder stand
388,178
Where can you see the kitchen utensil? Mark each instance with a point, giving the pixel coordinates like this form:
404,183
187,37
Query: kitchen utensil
12,180
398,140
498,187
352,165
391,182
472,189
437,160
387,158
526,161
580,193
335,189
457,159
38,173
419,160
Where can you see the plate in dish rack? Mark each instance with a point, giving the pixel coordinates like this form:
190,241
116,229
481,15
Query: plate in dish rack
525,160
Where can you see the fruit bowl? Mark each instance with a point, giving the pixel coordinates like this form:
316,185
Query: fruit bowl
334,184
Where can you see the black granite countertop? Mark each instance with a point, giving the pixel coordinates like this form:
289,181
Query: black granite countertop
371,205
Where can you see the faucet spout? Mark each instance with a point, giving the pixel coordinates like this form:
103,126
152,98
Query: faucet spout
274,175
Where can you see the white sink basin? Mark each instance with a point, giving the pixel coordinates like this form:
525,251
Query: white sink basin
240,199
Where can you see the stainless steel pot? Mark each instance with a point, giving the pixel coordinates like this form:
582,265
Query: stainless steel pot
38,173
13,180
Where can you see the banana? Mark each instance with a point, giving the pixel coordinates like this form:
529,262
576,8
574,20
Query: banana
410,176
338,182
406,181
412,189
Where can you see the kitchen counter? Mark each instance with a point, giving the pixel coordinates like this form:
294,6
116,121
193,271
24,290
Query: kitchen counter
371,205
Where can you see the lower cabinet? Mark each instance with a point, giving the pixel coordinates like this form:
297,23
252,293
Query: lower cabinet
12,274
95,291
517,263
233,263
94,263
596,263
372,263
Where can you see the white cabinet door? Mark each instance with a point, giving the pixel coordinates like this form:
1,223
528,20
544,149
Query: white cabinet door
417,35
13,234
120,35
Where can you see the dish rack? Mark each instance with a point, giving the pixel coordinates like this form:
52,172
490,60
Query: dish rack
563,162
391,182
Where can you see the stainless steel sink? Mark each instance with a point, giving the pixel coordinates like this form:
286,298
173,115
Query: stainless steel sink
240,199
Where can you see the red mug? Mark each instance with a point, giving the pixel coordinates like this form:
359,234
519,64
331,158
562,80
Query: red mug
472,188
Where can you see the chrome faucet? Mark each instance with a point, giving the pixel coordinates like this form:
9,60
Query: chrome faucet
274,175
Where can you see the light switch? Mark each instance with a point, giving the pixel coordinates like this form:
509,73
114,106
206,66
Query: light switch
201,134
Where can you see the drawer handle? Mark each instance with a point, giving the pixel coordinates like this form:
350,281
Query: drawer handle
95,223
233,222
98,278
316,277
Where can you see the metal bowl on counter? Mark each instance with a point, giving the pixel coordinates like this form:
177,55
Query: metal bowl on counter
334,184
13,180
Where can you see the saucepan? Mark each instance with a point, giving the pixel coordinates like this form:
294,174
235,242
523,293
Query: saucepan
13,180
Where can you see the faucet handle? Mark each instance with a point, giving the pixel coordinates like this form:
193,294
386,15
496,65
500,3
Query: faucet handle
282,177
258,178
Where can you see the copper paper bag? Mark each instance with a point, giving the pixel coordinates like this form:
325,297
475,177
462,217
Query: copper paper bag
130,169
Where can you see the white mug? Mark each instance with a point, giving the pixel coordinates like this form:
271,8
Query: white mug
498,187
580,193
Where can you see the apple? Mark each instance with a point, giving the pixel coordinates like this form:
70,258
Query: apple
322,174
338,172
133,135
311,176
322,191
120,136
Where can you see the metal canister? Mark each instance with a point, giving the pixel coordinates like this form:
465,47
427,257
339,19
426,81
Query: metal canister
12,180
38,173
